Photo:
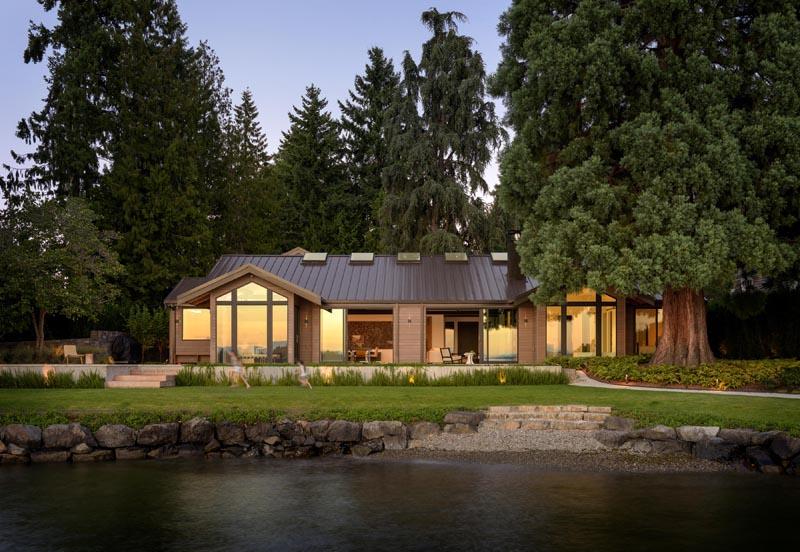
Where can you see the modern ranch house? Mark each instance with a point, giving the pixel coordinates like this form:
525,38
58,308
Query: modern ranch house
403,308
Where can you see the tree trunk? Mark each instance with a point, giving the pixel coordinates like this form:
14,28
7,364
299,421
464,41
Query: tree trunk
38,329
684,341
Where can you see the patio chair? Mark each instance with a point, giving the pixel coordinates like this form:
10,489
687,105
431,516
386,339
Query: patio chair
72,351
450,358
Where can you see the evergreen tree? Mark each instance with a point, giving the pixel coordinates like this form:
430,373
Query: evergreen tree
365,148
439,154
309,167
653,149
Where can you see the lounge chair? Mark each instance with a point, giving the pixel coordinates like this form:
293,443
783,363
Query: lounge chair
450,358
72,351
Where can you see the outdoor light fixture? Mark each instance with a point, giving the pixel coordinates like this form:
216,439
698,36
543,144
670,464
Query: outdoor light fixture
409,320
525,321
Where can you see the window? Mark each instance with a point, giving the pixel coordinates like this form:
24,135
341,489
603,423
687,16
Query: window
500,335
331,335
255,320
586,325
196,324
648,330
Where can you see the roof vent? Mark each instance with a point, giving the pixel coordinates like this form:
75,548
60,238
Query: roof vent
362,258
499,257
317,258
455,258
408,257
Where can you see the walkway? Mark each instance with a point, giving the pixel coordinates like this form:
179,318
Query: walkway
582,380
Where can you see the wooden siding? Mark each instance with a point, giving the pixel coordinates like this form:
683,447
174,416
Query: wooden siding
540,347
526,336
622,326
410,324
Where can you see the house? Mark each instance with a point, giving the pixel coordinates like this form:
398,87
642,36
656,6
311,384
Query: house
400,308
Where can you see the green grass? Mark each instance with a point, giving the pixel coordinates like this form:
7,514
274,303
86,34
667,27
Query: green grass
139,406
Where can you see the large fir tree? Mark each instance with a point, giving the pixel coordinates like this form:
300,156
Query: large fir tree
438,155
364,139
309,167
654,149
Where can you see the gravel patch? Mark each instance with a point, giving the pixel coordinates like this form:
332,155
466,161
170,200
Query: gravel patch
492,439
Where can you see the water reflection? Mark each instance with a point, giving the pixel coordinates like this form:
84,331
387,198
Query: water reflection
348,504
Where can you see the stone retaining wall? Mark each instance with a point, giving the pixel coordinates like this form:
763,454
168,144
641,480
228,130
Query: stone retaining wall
768,452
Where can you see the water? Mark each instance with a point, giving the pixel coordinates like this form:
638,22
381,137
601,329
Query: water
369,504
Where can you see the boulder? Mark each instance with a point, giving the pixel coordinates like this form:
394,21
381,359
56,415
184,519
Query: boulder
166,451
423,430
682,448
460,429
763,438
16,450
158,435
761,460
67,436
272,440
2,447
197,430
655,433
26,436
466,418
96,456
319,428
341,431
115,436
259,432
131,453
374,430
234,451
617,423
785,447
188,450
714,449
13,459
286,428
360,450
252,452
212,446
49,456
611,438
81,448
230,434
395,442
638,446
695,434
741,437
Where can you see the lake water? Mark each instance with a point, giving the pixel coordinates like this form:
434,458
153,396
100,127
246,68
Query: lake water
371,504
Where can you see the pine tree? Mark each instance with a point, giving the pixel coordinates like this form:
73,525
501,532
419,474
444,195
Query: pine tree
438,155
652,150
365,148
310,169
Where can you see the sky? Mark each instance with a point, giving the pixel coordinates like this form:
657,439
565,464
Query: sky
274,48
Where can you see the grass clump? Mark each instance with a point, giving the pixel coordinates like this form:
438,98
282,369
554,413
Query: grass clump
28,379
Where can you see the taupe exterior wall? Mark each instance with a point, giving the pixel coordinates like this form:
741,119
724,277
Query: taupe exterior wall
622,325
410,332
309,335
196,350
526,333
540,340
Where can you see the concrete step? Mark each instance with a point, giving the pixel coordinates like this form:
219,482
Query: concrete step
153,371
139,384
546,417
147,377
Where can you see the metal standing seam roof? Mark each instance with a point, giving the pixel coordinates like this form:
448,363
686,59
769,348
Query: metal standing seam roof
432,280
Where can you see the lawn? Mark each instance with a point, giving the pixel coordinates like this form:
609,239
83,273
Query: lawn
380,403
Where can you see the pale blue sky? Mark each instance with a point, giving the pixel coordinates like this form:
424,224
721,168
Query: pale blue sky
276,48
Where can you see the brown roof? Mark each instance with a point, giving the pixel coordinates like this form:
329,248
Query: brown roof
432,280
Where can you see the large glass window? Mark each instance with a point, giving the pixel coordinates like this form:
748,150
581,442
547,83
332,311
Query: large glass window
648,330
500,335
331,335
196,324
586,325
255,319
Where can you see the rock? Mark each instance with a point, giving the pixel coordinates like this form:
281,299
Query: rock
360,450
341,431
96,456
395,442
259,432
166,451
329,449
785,446
761,460
197,430
43,456
423,430
252,452
157,435
15,450
272,440
230,434
694,434
67,436
611,438
763,438
319,428
115,436
2,447
81,448
655,433
26,436
617,423
234,451
682,448
467,418
638,446
286,428
374,430
131,453
14,459
460,429
190,450
714,449
741,437
212,446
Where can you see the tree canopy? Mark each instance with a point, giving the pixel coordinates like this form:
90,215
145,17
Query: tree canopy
653,149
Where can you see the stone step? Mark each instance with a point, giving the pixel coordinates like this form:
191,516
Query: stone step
147,377
153,372
591,416
139,384
533,424
551,408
